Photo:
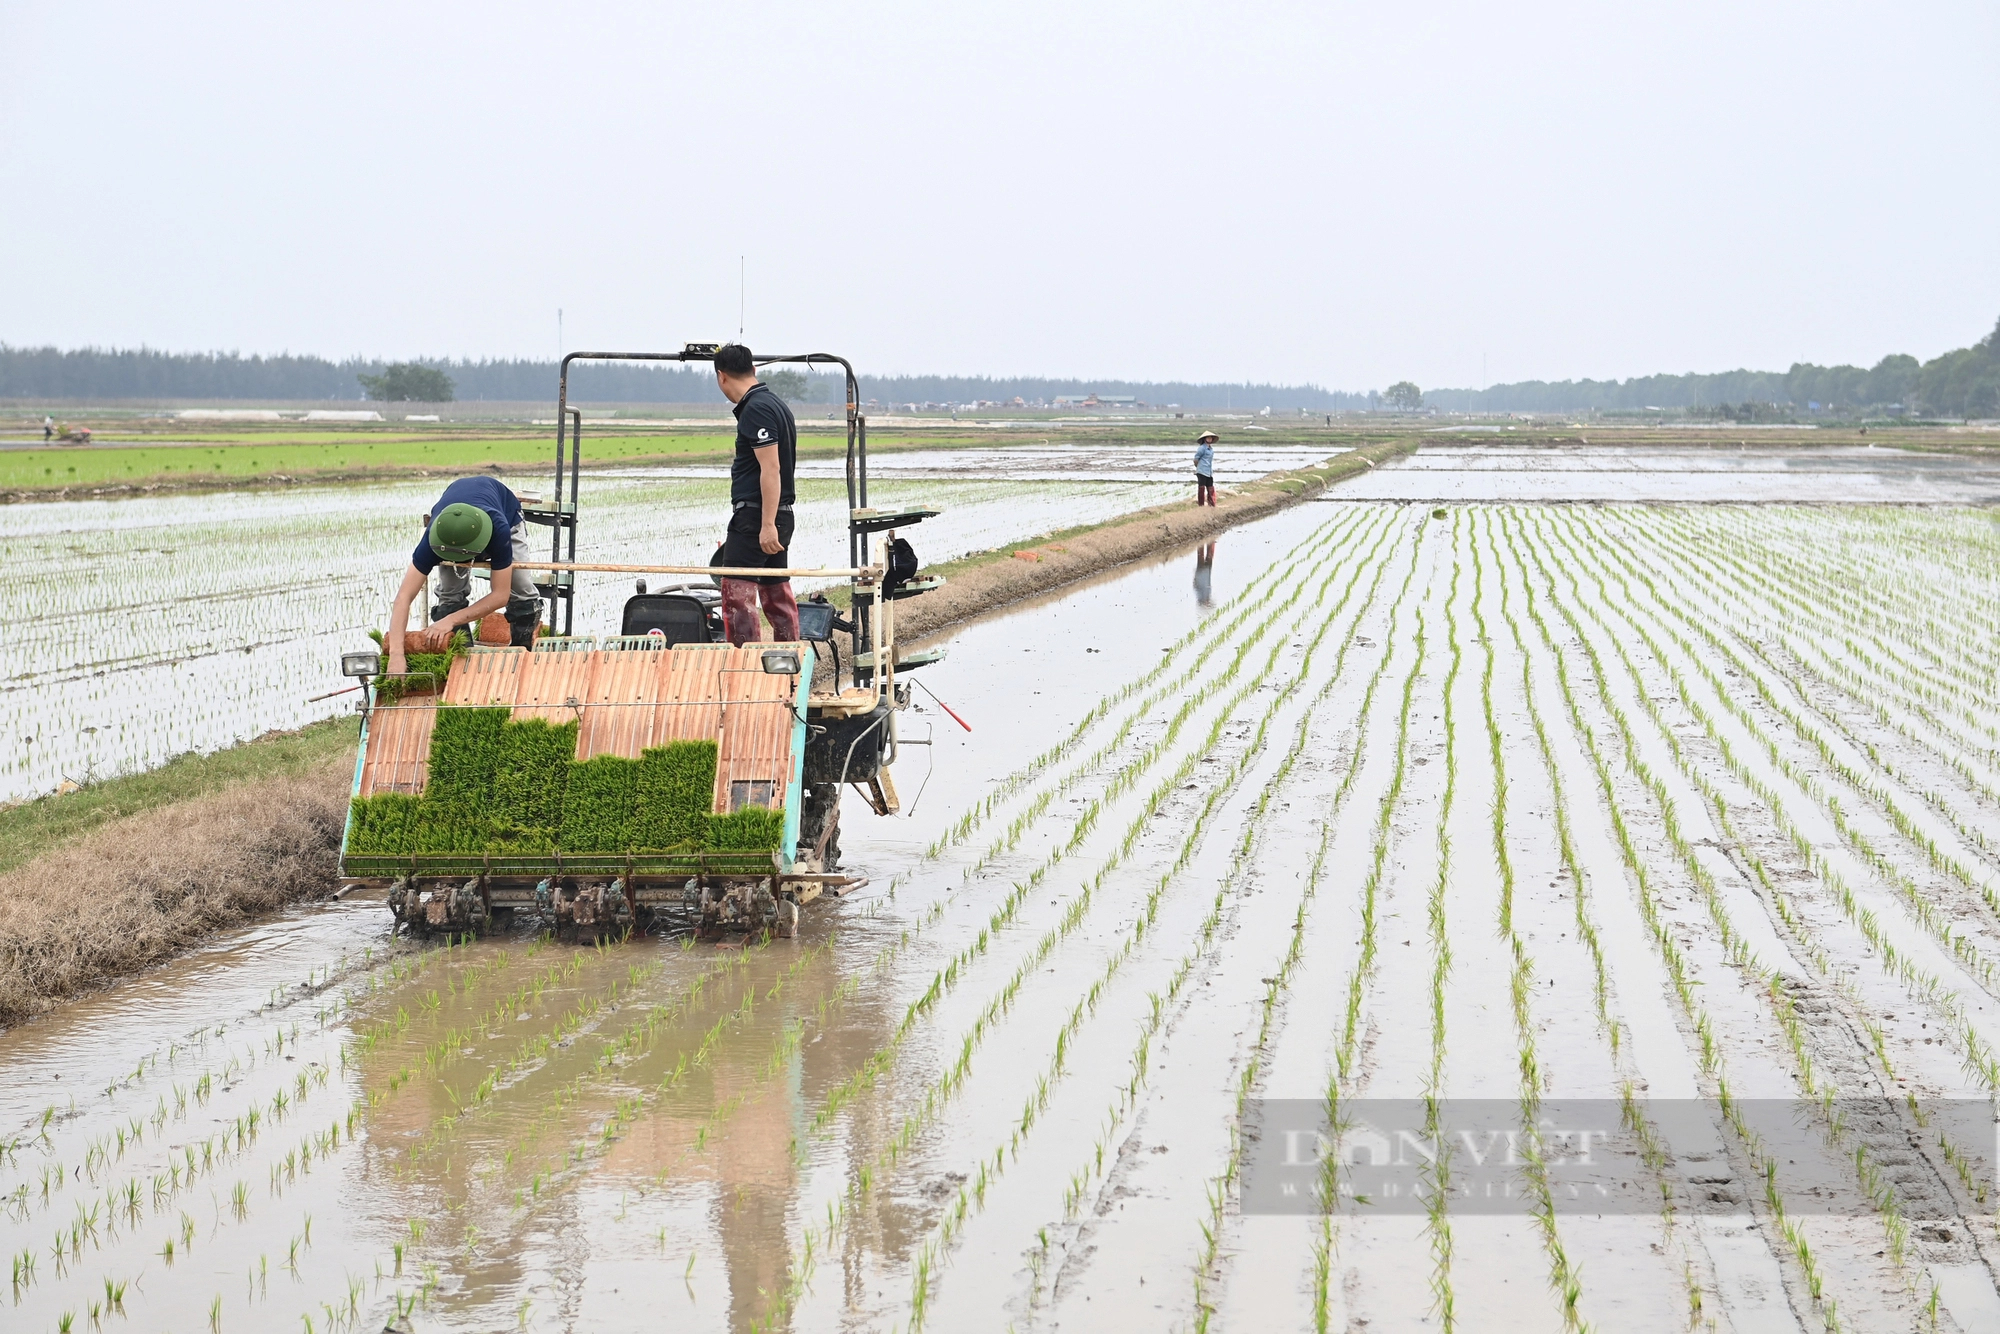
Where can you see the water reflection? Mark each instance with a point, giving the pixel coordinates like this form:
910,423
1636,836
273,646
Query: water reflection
1204,566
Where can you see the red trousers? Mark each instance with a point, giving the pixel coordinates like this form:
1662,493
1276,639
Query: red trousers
739,610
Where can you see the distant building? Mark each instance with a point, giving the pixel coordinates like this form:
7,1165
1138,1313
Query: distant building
1098,401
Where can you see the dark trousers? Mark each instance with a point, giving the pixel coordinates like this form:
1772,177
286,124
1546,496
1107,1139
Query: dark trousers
1204,490
741,596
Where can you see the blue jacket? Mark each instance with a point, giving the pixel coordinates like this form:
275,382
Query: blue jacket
1204,460
501,505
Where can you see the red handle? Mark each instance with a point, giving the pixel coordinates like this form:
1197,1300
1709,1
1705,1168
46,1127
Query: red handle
946,707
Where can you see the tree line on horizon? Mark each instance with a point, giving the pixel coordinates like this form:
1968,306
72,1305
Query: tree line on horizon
1961,383
149,374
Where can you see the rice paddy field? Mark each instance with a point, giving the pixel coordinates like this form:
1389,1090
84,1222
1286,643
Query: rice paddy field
207,461
161,625
1495,818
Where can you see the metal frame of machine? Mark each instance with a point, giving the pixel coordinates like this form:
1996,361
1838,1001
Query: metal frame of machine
846,737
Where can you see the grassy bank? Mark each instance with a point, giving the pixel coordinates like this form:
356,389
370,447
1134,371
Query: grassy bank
45,824
235,463
141,888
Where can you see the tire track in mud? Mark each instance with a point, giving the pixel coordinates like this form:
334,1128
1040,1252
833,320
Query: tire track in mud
1915,1176
1786,1003
1678,955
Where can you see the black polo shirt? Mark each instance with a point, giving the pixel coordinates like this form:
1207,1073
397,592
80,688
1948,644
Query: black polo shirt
762,420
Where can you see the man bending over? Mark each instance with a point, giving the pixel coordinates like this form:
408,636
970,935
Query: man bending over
475,519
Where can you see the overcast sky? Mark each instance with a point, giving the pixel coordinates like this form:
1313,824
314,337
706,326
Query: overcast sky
1346,193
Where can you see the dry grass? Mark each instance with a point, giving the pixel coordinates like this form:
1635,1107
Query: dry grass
133,892
32,829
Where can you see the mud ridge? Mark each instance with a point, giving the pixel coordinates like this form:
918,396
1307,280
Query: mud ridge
143,888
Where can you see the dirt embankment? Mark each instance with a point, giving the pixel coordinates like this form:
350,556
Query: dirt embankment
139,888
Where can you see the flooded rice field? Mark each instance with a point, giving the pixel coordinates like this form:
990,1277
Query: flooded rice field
1752,471
1657,842
168,624
1238,458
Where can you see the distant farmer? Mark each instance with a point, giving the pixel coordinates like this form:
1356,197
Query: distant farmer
760,499
476,519
48,429
1204,469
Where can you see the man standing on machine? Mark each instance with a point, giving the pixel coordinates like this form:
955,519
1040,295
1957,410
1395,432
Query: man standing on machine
760,498
475,519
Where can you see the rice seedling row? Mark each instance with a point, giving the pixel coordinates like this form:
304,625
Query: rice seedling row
1157,1011
1077,906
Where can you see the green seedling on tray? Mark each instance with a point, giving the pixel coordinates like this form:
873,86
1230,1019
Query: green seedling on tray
427,671
503,786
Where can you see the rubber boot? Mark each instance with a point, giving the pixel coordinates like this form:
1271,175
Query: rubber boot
523,615
739,611
781,609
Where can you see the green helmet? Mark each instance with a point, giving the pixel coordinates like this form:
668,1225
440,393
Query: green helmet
460,532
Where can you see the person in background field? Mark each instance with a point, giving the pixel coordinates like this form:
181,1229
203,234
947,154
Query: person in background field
1204,469
760,500
475,519
48,429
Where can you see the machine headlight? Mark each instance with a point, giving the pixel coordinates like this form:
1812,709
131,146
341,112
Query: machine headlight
781,661
360,664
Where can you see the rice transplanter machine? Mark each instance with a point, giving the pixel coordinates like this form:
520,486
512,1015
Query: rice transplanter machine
787,738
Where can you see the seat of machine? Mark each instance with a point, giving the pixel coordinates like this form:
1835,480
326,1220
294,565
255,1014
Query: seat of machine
681,618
